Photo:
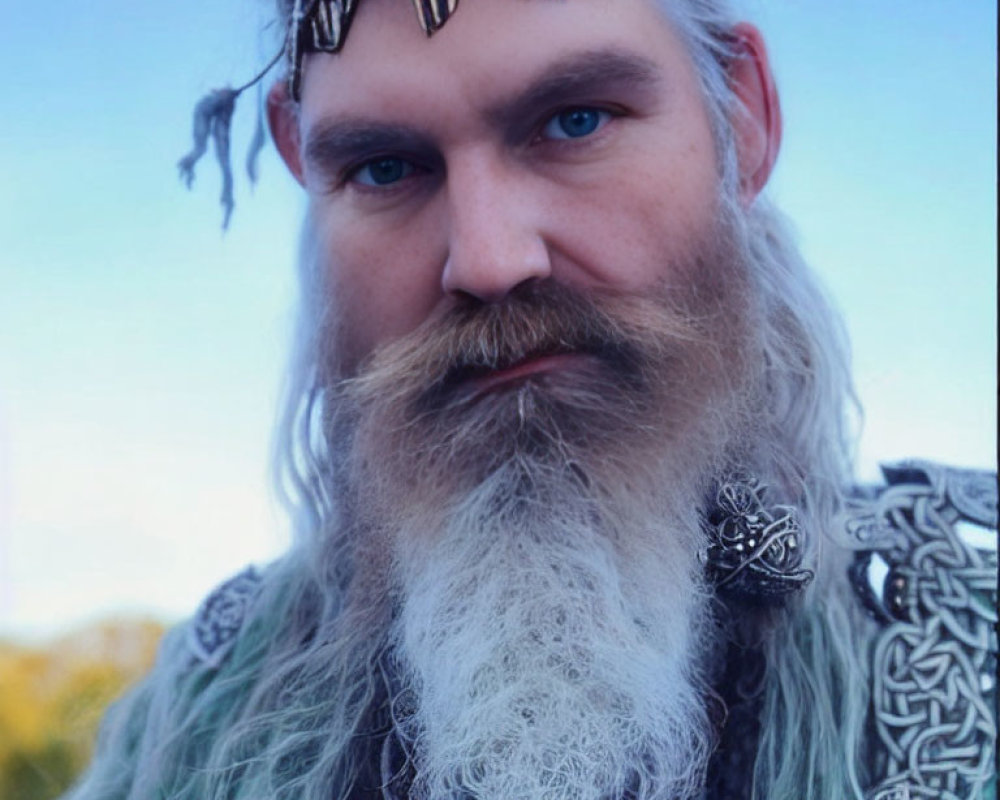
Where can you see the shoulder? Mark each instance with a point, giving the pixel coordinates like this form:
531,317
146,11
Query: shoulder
925,567
200,664
925,518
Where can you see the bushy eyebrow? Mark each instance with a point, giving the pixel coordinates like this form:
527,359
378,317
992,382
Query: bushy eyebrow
346,141
590,74
609,71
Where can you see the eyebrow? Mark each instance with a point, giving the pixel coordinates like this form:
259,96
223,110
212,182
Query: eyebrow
577,77
333,143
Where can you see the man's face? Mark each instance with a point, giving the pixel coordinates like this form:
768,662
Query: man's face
525,141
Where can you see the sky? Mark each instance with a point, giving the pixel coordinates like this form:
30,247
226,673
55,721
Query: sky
142,351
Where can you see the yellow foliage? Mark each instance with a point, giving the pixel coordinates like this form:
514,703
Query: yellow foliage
52,699
22,713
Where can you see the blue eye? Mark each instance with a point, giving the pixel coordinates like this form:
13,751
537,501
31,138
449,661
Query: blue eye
575,123
382,171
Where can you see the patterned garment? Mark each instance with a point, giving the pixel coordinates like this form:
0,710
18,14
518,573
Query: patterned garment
933,725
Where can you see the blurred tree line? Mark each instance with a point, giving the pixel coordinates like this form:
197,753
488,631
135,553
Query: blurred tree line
52,699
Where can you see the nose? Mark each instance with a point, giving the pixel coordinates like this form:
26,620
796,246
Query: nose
495,236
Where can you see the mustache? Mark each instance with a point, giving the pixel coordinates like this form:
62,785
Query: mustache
624,333
537,321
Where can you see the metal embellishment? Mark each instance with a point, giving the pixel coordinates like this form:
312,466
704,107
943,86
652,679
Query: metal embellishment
213,631
317,26
934,662
321,26
754,552
433,14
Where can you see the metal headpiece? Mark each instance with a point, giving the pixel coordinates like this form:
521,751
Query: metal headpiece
320,26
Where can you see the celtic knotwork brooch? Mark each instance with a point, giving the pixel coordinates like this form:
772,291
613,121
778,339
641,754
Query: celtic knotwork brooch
754,549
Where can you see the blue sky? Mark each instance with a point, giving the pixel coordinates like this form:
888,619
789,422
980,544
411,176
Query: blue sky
141,351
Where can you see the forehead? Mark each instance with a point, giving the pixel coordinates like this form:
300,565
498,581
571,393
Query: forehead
489,49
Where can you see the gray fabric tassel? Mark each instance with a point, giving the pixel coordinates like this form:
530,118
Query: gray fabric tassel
259,138
212,116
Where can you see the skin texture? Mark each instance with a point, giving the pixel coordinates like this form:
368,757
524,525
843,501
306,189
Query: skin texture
492,189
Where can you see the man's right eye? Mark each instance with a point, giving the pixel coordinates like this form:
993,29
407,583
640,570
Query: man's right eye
381,172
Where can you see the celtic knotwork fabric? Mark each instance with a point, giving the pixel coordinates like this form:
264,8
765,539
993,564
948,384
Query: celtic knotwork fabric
934,663
213,631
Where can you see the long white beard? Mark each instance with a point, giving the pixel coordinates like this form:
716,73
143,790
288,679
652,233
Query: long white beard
546,658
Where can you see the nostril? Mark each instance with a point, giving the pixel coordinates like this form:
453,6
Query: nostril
492,270
527,286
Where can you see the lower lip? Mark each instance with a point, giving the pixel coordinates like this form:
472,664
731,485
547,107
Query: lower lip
506,378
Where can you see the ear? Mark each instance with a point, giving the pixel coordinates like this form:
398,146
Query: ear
757,122
284,124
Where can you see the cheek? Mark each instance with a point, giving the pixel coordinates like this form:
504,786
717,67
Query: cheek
628,235
382,284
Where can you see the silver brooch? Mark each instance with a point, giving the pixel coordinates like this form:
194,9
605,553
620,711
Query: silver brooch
754,550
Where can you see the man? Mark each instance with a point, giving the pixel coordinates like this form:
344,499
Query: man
565,438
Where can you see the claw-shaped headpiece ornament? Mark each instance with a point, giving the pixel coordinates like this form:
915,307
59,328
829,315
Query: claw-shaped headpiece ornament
320,26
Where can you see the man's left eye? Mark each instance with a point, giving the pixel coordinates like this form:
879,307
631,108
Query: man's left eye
575,123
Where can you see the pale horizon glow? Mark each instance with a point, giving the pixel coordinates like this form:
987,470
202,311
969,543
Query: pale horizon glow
141,352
